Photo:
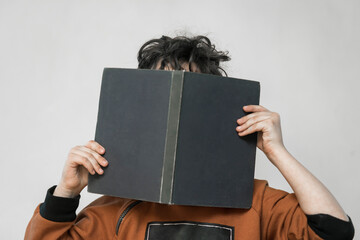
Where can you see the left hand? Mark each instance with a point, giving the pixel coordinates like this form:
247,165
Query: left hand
266,123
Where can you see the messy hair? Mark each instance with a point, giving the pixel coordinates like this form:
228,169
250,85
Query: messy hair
173,52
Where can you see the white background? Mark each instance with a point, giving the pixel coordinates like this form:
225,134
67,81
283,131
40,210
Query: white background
306,54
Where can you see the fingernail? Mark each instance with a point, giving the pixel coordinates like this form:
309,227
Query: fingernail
238,128
101,171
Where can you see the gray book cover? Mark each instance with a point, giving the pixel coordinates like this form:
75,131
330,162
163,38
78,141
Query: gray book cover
170,138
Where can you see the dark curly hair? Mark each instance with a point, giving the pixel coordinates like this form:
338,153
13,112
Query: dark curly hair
175,51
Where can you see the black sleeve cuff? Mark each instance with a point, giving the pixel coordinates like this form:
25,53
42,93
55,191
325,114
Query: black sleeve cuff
332,228
59,209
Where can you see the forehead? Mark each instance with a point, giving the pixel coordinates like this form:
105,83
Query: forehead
184,65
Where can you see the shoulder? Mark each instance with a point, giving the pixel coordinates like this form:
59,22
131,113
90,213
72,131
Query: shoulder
261,187
105,206
263,194
108,201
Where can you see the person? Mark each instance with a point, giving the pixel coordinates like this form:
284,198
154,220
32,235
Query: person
311,212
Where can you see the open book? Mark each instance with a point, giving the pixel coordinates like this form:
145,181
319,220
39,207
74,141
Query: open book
170,138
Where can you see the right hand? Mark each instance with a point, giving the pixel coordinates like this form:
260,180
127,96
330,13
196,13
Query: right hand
81,161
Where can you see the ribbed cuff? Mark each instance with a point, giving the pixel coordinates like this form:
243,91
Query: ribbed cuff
59,209
332,228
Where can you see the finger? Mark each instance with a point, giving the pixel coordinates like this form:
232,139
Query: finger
244,119
254,108
91,159
100,159
257,127
251,121
83,161
95,146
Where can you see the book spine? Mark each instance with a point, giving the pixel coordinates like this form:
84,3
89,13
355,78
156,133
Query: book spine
172,130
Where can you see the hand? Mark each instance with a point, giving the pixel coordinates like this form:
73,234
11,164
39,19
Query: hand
304,184
81,161
267,124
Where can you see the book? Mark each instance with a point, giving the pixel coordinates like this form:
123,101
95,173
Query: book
170,138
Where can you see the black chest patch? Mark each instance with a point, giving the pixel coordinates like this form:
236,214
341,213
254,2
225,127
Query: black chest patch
188,230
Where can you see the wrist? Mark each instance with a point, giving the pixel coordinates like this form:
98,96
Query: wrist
276,154
61,191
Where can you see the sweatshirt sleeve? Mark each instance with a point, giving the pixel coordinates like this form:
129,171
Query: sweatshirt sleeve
282,218
331,228
56,218
59,209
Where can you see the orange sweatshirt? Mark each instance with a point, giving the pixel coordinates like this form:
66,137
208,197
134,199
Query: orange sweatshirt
274,214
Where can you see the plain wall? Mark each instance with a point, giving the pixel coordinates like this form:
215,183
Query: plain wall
306,54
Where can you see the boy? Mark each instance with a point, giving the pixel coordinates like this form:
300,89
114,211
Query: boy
311,212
